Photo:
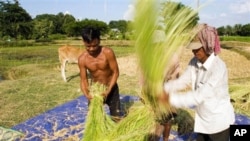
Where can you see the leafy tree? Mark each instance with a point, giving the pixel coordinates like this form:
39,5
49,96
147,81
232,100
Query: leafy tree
121,25
102,26
68,20
15,21
50,21
245,30
61,21
75,28
229,30
56,24
221,31
42,28
237,29
117,27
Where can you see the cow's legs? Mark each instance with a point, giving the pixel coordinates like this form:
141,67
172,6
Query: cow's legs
63,64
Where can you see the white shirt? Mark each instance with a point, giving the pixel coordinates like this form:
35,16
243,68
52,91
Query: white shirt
209,95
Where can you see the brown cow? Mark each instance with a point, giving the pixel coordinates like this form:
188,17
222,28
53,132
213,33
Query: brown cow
68,54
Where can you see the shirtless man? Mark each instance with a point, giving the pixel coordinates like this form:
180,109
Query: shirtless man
101,63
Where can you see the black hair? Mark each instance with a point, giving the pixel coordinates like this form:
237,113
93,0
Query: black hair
89,34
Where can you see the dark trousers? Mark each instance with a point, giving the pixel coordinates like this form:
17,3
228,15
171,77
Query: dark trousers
113,101
221,136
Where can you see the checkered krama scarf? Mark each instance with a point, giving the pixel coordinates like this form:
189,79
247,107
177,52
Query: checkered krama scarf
209,38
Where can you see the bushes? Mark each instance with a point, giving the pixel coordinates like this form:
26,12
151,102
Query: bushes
57,37
235,38
12,43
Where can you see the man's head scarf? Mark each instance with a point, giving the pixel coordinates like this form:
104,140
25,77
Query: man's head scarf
209,39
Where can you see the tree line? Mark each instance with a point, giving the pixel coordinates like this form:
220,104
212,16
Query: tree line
236,30
16,23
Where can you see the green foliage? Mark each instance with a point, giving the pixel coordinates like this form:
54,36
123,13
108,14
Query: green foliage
13,43
102,26
245,30
15,21
236,30
58,24
42,28
235,38
57,36
121,26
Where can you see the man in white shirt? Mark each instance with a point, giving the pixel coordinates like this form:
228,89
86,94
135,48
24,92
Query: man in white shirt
207,75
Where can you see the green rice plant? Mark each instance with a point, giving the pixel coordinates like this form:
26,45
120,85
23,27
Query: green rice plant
98,123
100,127
241,98
136,126
154,58
235,38
10,135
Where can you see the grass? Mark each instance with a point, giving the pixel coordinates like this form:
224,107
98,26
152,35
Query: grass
235,38
35,84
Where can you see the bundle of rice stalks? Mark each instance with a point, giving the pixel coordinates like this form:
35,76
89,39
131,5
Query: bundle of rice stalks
98,123
100,127
135,127
177,24
240,95
10,135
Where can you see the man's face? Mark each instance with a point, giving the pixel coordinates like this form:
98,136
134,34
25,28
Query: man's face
200,54
92,47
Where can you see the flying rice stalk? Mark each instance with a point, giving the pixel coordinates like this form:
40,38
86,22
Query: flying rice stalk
154,58
137,124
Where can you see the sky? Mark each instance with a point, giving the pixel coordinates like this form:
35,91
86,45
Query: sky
216,13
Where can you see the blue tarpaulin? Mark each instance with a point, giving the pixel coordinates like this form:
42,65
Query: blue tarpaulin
67,122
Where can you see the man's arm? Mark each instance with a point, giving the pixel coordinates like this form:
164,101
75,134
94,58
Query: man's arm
83,76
